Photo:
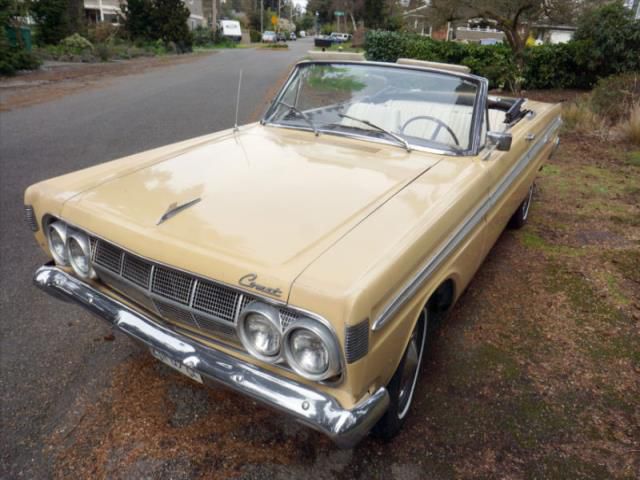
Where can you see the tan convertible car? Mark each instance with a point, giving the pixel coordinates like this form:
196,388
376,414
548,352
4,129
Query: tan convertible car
298,260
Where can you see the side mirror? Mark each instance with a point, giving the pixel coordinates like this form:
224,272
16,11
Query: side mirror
501,140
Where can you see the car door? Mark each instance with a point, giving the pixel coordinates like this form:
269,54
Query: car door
513,172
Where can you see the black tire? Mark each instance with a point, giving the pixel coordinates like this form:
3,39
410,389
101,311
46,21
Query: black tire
392,421
520,216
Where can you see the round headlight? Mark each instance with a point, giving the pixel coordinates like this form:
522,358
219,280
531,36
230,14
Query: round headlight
79,254
311,350
57,239
260,332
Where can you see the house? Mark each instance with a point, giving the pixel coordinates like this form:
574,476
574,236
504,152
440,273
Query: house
553,33
109,11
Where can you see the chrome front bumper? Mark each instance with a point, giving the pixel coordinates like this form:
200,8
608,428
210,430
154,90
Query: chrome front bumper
311,407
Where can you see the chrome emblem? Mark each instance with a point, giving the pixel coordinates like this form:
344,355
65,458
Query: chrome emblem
174,209
249,281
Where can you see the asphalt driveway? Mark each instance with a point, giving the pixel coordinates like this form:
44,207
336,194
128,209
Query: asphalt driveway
50,354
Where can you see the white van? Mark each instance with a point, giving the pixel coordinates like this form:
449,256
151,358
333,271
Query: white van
231,29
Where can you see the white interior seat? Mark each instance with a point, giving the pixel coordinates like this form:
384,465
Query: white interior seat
393,114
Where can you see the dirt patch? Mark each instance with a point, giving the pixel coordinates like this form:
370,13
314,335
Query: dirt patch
59,80
534,374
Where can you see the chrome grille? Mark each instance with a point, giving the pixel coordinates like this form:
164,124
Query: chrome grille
175,313
209,324
175,296
287,317
171,284
30,217
136,270
128,290
215,300
108,256
356,343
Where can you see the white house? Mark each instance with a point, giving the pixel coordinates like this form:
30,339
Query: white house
109,11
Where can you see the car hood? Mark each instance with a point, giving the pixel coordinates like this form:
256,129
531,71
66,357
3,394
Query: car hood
266,201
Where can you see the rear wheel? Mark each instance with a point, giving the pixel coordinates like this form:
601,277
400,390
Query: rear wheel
403,383
520,216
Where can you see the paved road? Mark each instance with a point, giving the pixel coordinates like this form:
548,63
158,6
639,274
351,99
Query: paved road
49,354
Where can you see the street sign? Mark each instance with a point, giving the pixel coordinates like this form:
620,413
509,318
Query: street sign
338,13
274,20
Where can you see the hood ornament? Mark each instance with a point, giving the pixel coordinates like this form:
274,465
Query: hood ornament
174,209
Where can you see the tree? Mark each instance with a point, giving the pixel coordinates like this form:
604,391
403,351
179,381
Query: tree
612,38
52,19
514,18
154,20
169,19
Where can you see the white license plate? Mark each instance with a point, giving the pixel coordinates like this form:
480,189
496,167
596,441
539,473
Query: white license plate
189,372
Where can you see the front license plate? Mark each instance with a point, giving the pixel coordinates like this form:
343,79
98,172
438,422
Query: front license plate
189,372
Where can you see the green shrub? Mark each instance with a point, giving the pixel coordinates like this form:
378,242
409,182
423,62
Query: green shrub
203,36
615,97
566,65
13,59
166,20
612,38
557,66
76,45
103,51
495,62
52,19
256,37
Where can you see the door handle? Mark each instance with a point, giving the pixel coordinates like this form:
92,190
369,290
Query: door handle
530,137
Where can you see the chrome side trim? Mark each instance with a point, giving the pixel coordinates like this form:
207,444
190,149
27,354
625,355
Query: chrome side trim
316,409
450,245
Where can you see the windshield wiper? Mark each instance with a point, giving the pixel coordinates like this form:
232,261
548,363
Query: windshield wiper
401,140
304,116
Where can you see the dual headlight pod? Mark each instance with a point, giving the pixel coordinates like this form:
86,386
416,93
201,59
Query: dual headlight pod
69,246
307,345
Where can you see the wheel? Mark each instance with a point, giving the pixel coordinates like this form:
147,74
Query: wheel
403,383
520,216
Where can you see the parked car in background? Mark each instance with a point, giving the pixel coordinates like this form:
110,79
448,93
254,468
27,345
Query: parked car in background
302,33
269,37
292,36
340,37
324,41
231,29
281,36
300,260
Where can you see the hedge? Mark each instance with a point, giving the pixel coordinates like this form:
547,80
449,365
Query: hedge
563,65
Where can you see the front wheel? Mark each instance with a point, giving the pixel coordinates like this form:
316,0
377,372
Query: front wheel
403,383
520,216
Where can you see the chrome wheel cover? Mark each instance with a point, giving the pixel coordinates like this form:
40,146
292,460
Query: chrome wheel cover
411,367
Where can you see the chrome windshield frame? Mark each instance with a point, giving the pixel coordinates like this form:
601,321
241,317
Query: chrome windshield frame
477,118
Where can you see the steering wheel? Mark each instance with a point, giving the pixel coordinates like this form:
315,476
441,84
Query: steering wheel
440,123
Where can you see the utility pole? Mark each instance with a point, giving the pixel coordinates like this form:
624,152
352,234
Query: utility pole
261,17
214,15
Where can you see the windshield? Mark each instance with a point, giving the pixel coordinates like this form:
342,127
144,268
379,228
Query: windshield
427,109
